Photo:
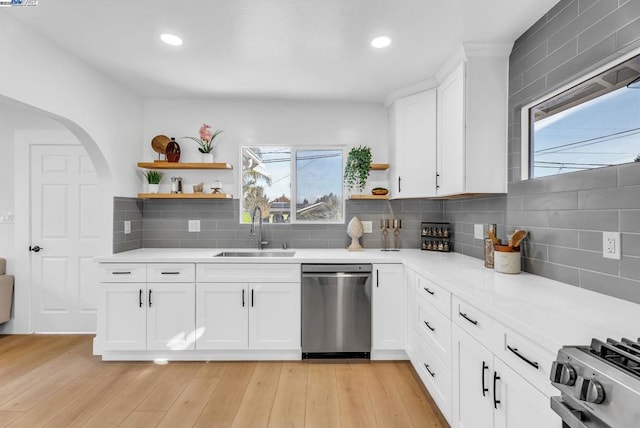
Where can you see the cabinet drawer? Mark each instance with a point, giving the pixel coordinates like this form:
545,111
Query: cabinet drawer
171,272
434,294
435,329
123,272
528,359
247,272
436,376
472,320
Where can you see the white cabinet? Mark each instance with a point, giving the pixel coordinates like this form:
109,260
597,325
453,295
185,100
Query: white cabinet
413,122
122,316
472,125
240,315
389,316
170,316
412,312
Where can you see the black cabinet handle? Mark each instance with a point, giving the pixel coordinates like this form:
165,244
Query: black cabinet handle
377,278
429,291
399,185
523,358
428,326
140,297
243,297
252,298
437,184
426,366
484,388
496,378
465,316
149,297
170,273
120,273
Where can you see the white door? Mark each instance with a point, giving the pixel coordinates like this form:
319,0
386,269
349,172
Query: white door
389,315
274,316
472,382
64,223
123,317
171,316
222,318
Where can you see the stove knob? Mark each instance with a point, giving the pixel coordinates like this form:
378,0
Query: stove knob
591,391
563,374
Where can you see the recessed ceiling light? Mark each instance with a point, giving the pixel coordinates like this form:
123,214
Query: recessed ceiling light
171,39
381,42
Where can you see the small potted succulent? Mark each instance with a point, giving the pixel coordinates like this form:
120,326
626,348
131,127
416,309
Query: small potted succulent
153,178
206,142
357,167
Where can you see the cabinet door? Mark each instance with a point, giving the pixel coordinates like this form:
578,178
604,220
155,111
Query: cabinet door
122,322
170,316
222,318
451,134
412,311
389,315
472,384
521,405
274,316
414,146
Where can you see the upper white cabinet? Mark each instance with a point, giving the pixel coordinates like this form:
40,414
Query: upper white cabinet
472,124
413,163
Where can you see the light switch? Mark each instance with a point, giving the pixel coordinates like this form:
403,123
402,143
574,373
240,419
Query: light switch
478,232
127,227
367,226
194,225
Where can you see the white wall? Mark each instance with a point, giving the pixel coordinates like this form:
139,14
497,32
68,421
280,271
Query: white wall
265,121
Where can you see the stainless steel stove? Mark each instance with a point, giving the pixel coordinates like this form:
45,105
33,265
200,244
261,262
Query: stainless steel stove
600,384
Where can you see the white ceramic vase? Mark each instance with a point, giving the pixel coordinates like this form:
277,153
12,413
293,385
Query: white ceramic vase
206,157
355,231
154,188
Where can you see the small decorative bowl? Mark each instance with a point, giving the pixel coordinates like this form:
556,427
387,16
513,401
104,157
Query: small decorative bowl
380,191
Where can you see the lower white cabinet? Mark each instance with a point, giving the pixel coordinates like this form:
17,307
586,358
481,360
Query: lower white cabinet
274,316
222,318
389,318
139,316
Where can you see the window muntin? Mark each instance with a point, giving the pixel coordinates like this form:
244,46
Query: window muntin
272,174
591,125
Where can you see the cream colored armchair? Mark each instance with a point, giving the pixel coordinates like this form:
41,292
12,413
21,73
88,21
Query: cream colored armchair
6,292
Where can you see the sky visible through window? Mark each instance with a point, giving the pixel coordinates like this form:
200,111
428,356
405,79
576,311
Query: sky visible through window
601,132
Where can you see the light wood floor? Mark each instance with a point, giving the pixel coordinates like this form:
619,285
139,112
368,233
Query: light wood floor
55,381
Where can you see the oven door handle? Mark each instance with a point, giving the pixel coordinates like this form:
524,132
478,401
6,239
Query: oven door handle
569,416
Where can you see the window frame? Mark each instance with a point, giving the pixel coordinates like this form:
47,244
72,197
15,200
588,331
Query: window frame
525,113
293,181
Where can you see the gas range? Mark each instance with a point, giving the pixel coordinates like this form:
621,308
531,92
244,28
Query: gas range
600,384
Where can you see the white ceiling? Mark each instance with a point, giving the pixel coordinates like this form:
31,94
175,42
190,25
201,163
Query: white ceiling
315,49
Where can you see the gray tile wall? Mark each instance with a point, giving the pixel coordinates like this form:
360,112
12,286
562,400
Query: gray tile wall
164,224
127,209
566,214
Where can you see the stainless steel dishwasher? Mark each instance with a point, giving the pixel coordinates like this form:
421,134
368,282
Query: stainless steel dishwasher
336,310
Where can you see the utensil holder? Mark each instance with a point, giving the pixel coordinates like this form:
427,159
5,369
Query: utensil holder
506,259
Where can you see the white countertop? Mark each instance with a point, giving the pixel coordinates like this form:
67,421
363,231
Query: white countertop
549,312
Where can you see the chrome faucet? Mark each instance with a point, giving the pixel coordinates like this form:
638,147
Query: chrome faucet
252,231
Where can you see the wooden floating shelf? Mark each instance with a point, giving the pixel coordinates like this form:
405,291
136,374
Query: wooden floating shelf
379,166
185,196
381,197
185,165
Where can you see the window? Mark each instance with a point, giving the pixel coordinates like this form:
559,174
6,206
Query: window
593,124
274,176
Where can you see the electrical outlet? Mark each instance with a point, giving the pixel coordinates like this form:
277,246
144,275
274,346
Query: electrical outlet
194,225
367,226
478,232
127,227
611,245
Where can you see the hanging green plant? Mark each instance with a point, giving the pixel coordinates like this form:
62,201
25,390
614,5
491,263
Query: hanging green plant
357,167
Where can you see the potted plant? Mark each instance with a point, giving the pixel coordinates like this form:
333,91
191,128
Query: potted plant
153,178
206,142
357,167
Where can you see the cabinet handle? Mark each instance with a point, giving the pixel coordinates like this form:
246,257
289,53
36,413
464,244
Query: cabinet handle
426,366
170,273
140,298
252,298
399,184
428,326
465,316
377,278
496,378
149,297
523,358
243,297
484,388
120,273
437,184
429,291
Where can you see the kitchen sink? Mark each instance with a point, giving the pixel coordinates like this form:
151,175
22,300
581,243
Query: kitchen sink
256,254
